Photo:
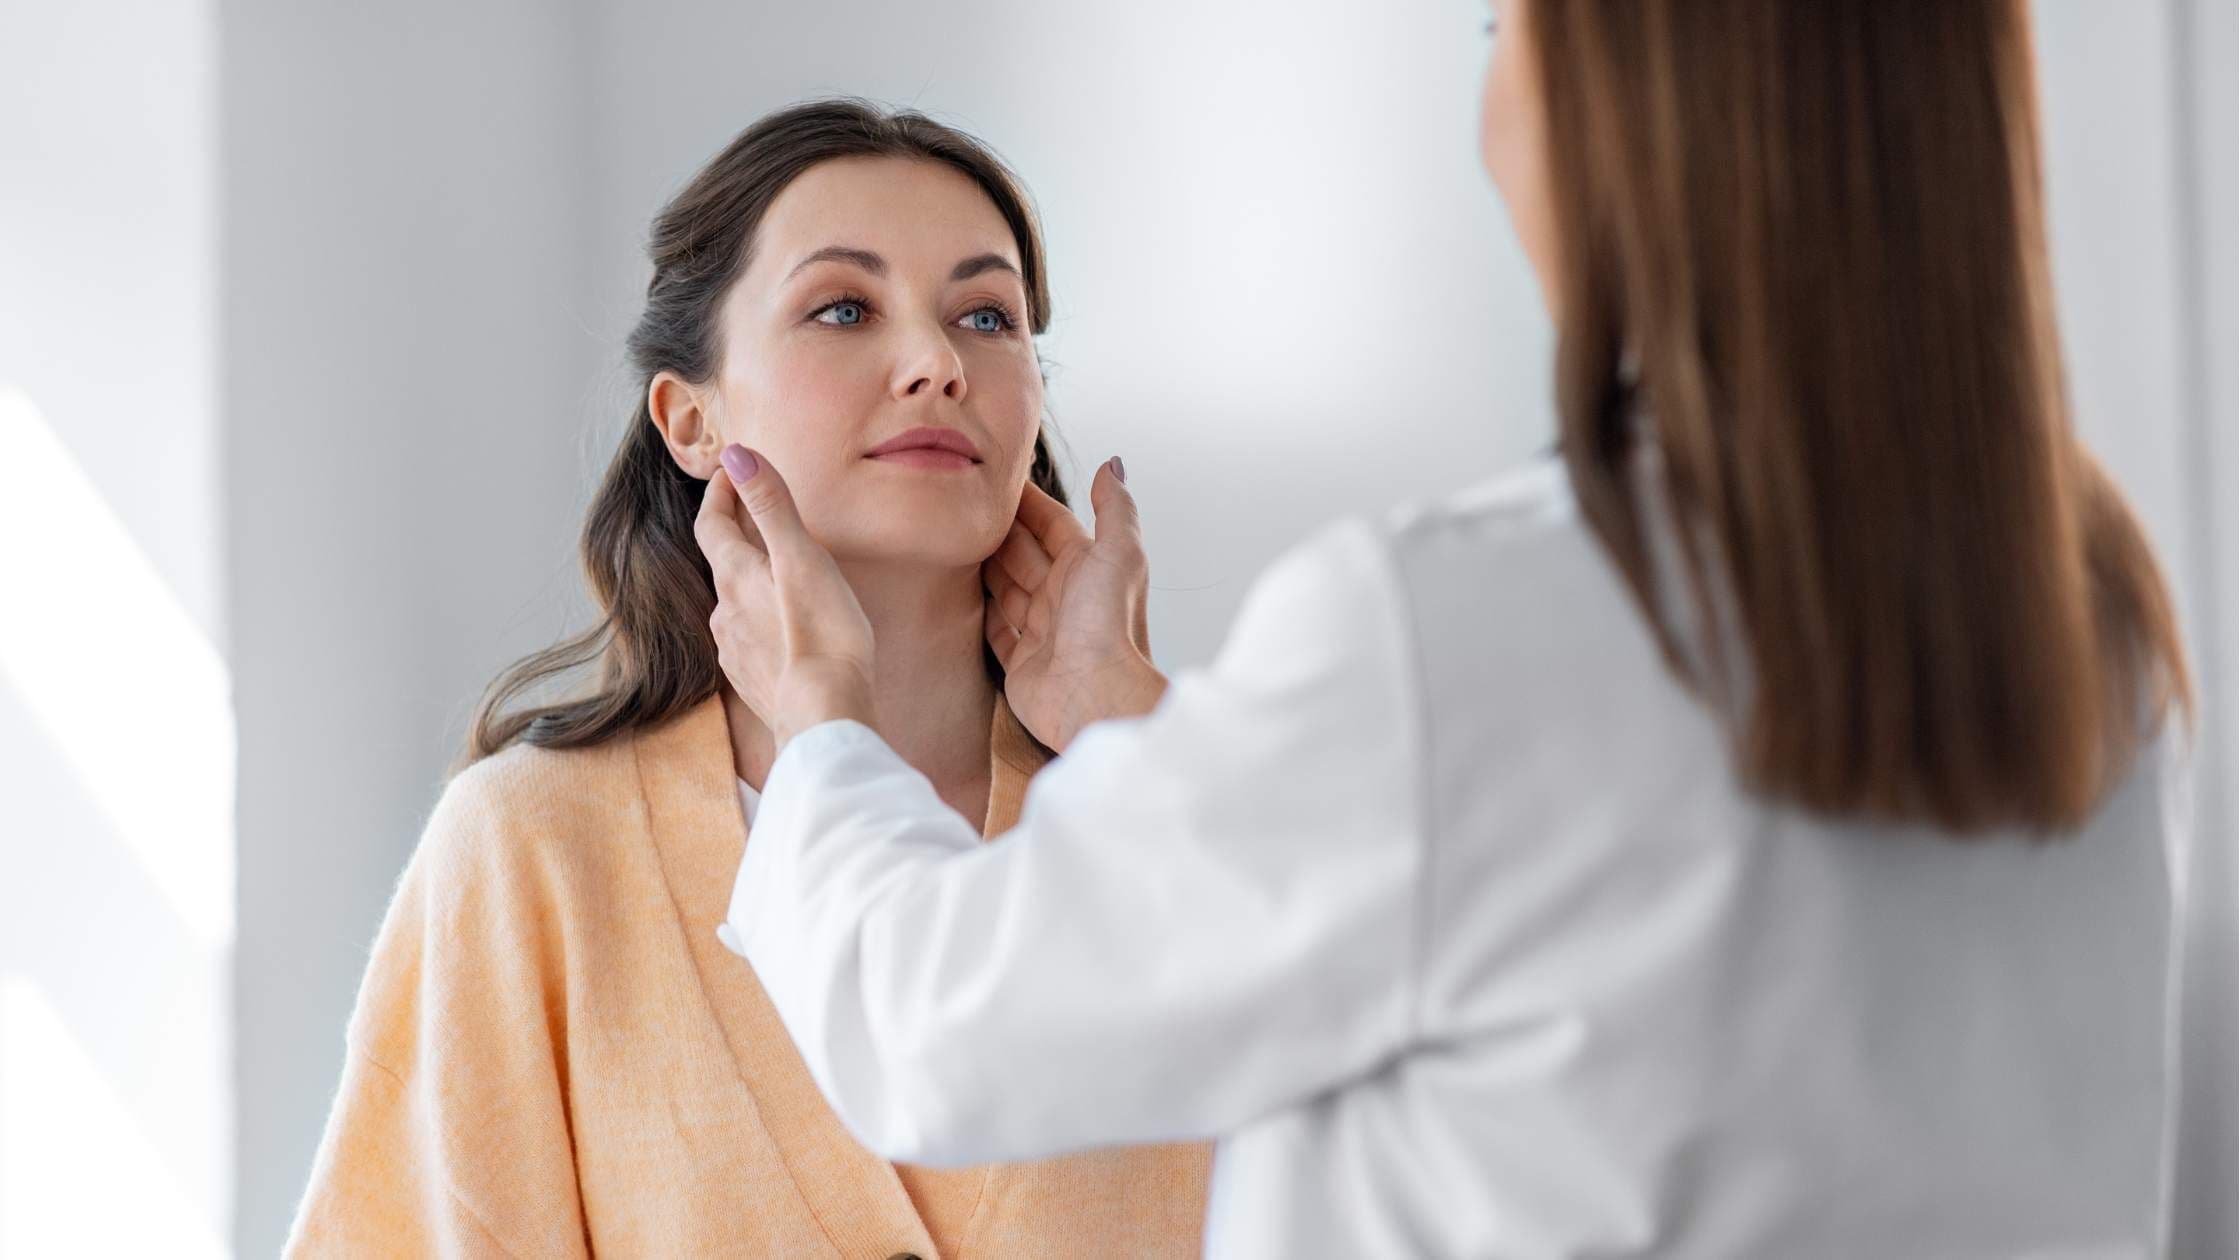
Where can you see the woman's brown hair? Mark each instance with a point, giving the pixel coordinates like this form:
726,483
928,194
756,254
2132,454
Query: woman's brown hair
652,647
1804,246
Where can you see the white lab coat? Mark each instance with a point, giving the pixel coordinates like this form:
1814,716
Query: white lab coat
1436,899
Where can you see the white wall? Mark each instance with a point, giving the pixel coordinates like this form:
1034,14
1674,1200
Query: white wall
2204,34
403,373
1284,292
2140,155
1283,288
115,736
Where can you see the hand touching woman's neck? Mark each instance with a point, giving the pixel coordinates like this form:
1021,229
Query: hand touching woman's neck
932,692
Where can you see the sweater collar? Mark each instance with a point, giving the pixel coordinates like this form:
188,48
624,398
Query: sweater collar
699,832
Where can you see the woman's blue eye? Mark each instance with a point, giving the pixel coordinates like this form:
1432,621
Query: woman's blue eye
841,313
988,320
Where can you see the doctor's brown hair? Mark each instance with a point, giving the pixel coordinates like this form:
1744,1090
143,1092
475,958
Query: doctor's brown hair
1818,231
655,654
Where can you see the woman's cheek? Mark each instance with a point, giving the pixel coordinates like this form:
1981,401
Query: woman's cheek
1020,403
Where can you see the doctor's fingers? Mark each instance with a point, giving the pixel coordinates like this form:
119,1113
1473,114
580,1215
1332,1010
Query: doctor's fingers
1023,558
1006,596
1002,636
769,507
721,528
1115,507
1052,523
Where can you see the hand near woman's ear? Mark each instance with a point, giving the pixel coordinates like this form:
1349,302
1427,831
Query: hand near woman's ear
1066,613
789,632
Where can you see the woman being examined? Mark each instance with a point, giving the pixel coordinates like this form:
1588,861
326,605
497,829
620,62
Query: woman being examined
552,1052
1744,837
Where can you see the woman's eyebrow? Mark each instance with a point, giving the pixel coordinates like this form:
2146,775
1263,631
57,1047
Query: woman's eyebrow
863,258
979,263
876,265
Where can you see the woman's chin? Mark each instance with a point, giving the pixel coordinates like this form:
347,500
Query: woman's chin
928,546
956,529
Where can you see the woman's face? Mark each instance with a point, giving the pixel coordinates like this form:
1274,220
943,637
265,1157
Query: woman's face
883,299
1512,137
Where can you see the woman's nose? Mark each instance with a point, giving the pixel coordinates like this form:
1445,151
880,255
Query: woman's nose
930,366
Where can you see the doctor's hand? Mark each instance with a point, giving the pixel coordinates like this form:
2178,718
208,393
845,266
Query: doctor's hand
789,632
1066,613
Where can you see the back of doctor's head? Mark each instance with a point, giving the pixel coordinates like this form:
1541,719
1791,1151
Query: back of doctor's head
1818,233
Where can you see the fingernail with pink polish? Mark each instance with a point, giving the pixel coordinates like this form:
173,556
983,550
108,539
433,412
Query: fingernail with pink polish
740,462
1120,470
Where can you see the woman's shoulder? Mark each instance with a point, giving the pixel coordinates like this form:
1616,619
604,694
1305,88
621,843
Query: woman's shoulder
506,868
527,806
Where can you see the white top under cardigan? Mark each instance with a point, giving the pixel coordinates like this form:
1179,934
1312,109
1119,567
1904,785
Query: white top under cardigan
1437,899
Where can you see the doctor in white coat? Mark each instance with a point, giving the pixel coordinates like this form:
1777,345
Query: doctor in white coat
1748,835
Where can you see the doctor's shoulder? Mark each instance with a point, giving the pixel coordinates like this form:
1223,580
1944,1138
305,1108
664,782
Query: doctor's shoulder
1529,504
1502,554
1512,542
1518,510
1502,576
1509,604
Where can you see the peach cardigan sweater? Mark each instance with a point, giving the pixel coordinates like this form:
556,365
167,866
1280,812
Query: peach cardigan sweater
553,1055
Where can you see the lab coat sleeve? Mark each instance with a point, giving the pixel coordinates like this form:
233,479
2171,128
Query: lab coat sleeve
1202,915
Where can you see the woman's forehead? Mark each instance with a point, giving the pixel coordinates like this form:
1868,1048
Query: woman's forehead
914,215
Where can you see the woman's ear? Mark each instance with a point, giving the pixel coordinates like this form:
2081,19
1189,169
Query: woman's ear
681,413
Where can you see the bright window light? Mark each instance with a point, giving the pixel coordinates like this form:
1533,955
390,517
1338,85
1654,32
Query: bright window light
136,699
77,1175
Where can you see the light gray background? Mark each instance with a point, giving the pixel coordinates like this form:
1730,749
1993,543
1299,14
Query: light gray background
328,300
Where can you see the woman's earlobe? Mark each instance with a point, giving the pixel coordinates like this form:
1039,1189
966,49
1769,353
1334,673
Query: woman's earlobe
676,411
697,464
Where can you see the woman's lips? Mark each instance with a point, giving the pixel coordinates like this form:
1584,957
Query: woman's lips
925,457
928,447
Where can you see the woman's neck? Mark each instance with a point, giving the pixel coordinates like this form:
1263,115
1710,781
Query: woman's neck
931,692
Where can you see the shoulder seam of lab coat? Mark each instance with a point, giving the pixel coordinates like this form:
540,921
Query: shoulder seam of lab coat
1407,640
